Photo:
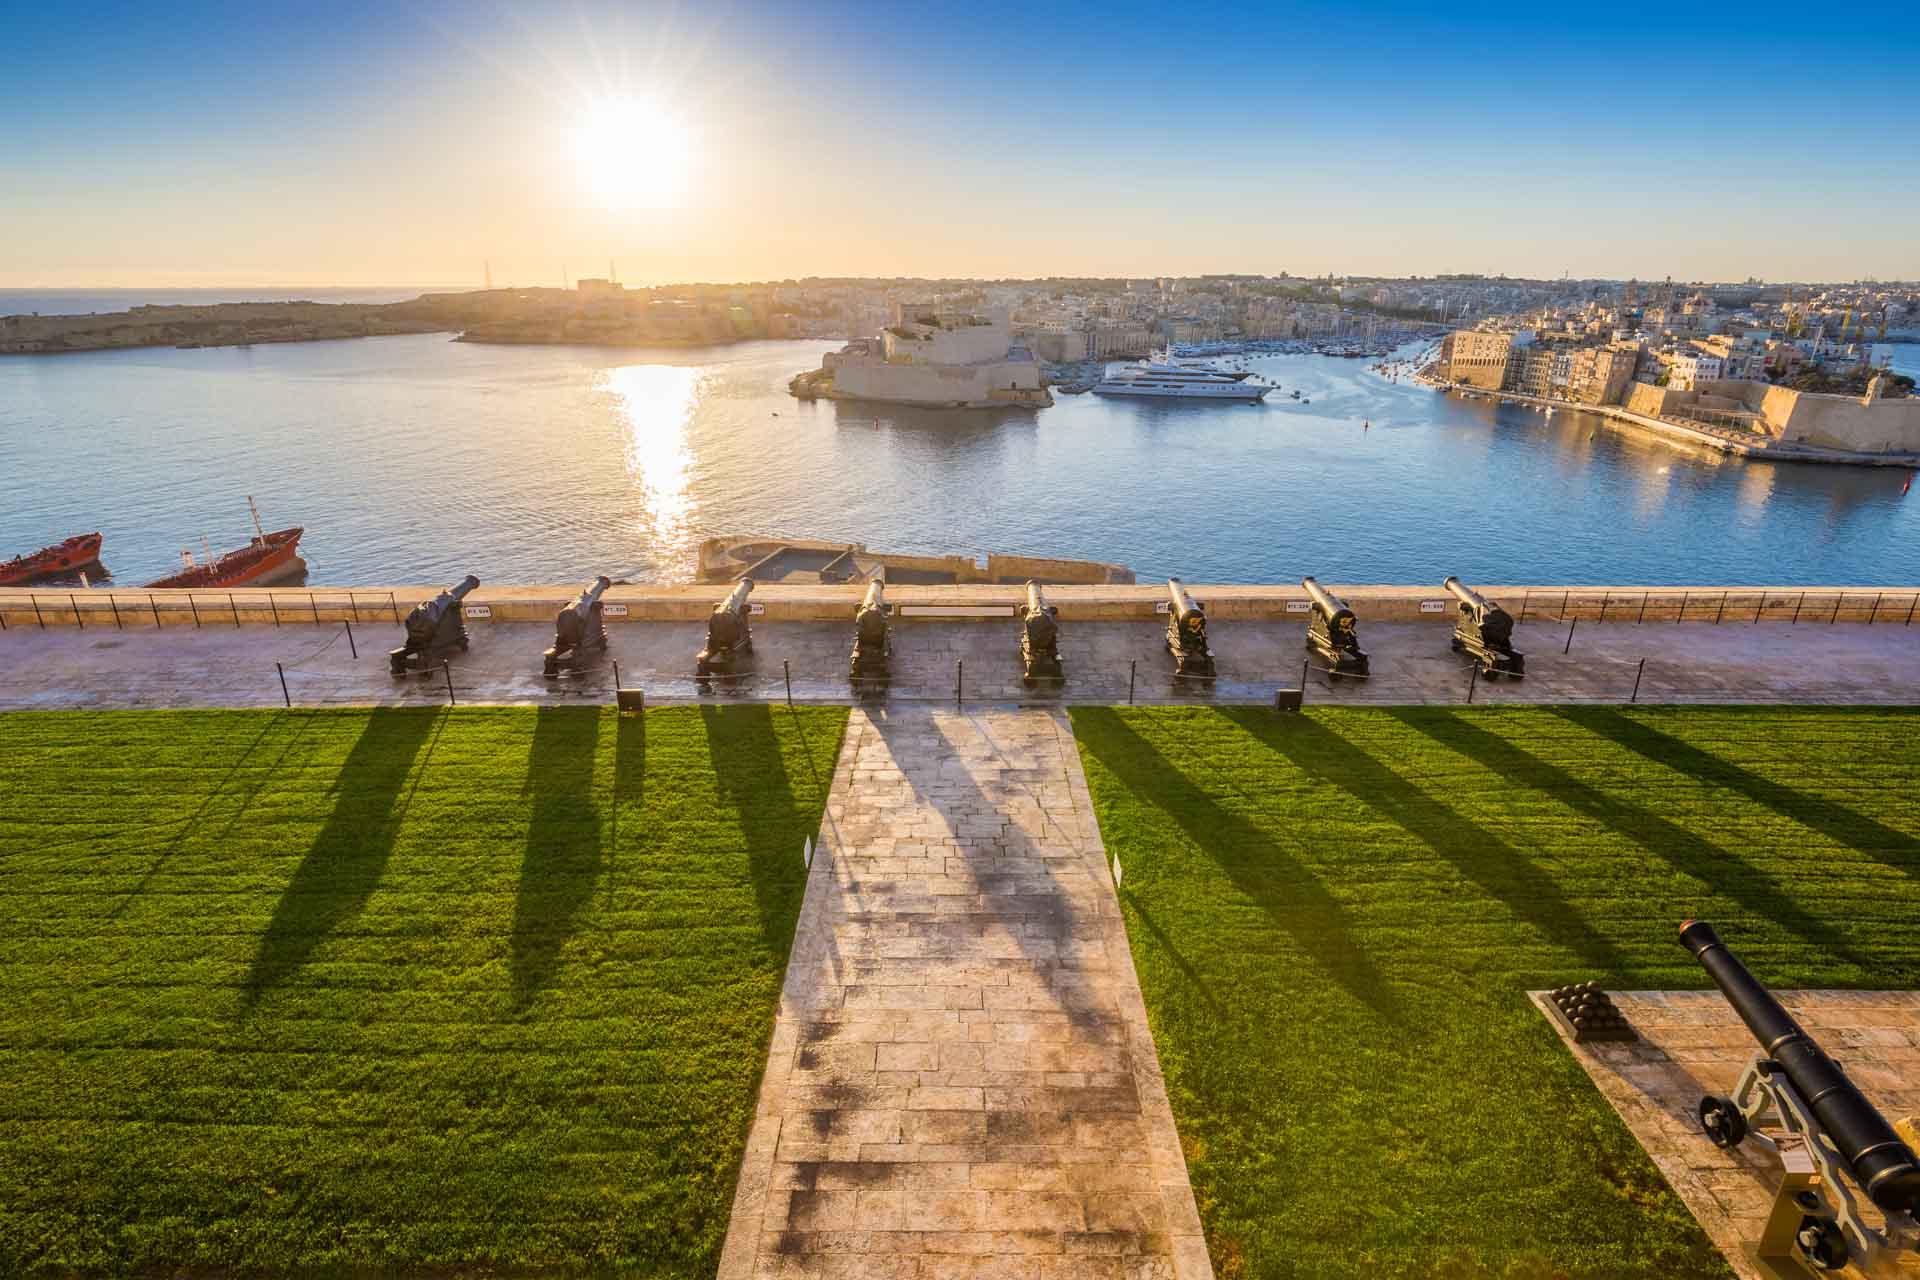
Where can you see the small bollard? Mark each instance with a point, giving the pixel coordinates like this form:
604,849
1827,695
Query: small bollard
351,646
284,695
448,668
1636,680
77,621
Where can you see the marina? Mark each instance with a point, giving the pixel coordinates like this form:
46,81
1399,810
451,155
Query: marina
418,459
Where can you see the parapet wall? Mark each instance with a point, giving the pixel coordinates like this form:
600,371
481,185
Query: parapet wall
814,603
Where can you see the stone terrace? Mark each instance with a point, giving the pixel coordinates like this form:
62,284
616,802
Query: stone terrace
961,1081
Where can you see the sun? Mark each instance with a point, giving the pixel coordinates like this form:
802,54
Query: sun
632,152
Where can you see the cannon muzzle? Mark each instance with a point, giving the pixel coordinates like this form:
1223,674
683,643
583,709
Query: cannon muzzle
460,589
1883,1165
1329,605
1184,605
1465,594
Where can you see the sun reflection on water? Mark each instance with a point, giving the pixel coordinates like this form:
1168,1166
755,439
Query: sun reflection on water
657,403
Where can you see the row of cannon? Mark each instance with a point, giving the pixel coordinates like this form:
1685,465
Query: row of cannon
1482,630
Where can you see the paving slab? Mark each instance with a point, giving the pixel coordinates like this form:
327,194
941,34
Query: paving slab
1692,1043
1106,662
961,1080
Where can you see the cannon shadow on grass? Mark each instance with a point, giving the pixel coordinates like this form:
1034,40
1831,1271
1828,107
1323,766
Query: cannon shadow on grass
751,776
1844,826
1684,850
1481,856
629,785
344,864
1270,877
562,860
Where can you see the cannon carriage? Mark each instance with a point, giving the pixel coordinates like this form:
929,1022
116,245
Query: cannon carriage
729,637
872,638
1828,1136
1187,633
1040,638
1484,631
432,628
1333,632
579,630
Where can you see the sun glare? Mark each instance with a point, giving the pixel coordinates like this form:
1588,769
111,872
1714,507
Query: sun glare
632,152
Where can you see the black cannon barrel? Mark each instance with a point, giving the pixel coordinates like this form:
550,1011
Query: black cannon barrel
1183,604
1466,594
1330,605
459,590
1883,1165
590,596
736,601
876,597
1036,603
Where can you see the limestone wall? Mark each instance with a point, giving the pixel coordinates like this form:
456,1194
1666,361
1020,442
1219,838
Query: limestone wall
932,384
383,606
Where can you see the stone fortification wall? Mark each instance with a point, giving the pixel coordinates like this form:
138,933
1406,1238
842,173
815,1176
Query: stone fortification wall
1796,417
932,384
373,606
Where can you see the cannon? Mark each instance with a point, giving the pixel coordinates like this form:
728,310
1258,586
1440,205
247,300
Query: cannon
579,629
1333,633
729,638
1484,630
872,636
1187,633
1040,638
433,626
1826,1127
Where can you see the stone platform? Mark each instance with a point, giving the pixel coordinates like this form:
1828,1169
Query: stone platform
1692,1043
961,1081
1412,663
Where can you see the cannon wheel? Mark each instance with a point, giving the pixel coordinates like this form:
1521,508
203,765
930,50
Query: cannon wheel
1820,1243
1725,1124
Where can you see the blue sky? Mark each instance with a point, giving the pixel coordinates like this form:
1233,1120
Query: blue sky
393,143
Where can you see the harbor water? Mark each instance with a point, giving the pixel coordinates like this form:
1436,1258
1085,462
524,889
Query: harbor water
418,459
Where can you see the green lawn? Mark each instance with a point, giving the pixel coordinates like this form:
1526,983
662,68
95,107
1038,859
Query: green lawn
391,990
1336,916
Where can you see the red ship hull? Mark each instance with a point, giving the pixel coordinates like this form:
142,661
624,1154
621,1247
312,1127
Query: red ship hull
59,560
261,561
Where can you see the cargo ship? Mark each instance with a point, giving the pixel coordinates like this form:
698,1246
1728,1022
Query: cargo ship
62,560
269,558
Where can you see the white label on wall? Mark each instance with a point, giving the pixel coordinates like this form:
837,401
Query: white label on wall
1433,606
755,610
1299,606
614,610
1164,606
479,611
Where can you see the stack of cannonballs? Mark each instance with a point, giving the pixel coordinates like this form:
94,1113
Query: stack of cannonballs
1590,1013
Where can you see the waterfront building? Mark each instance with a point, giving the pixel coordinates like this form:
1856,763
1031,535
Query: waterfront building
938,357
1478,358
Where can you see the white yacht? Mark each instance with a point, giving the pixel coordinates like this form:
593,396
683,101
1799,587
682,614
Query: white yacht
1166,379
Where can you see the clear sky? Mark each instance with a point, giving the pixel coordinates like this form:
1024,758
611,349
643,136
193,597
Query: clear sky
409,142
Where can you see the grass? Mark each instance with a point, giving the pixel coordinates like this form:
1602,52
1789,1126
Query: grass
391,991
1336,917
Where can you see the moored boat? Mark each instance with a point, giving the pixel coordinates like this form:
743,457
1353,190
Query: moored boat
269,558
63,559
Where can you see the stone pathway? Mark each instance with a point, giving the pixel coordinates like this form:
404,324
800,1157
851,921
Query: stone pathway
961,1082
1692,1042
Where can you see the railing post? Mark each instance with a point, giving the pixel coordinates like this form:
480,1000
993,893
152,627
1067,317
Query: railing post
1721,611
1873,616
115,606
314,604
196,611
1473,682
75,602
235,606
959,681
1133,671
390,604
34,598
786,673
1838,602
155,606
1681,616
1571,624
275,607
284,695
1523,603
1910,609
351,646
448,668
1636,680
1643,609
354,605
